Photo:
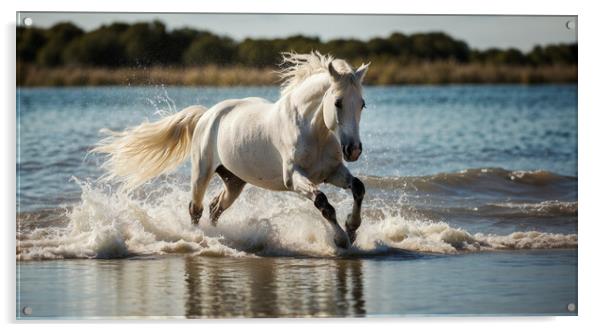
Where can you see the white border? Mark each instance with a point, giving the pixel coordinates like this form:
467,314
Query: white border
589,151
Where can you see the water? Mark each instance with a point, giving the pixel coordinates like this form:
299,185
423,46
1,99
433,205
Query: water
197,286
471,208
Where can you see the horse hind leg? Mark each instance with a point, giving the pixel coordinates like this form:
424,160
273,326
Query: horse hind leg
233,186
200,177
199,186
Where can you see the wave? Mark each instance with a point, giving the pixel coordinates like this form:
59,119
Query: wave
540,209
107,224
484,179
510,211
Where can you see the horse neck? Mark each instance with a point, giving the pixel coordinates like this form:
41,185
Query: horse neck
307,103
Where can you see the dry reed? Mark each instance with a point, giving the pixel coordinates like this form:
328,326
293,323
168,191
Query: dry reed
383,73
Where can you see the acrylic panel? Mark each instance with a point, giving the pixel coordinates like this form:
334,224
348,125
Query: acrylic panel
275,165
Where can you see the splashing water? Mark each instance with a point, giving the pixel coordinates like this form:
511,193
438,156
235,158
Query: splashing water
108,224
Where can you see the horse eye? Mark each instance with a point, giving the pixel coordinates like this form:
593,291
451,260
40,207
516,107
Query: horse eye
338,103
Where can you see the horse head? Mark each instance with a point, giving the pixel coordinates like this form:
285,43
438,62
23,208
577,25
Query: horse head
343,104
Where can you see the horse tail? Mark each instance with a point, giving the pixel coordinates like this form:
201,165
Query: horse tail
150,149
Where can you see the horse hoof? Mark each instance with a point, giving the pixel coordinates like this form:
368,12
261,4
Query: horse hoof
342,243
195,213
341,240
215,211
351,231
351,235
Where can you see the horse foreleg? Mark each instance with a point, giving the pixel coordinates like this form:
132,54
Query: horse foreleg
304,186
342,178
354,219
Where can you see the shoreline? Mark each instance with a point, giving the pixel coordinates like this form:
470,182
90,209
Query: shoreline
380,74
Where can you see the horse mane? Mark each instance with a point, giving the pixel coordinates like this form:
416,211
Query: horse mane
295,68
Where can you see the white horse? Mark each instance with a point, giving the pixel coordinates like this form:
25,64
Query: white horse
291,145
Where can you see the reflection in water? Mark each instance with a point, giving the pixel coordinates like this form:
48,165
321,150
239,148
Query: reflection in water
103,288
516,282
266,287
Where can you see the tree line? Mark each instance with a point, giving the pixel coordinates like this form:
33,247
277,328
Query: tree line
151,44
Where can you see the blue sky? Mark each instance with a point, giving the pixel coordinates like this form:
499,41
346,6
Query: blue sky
481,32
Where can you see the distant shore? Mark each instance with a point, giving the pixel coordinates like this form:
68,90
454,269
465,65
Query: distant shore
386,73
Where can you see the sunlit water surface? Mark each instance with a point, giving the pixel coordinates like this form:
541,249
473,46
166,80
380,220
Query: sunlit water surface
471,208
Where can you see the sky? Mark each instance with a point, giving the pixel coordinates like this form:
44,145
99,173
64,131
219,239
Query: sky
480,32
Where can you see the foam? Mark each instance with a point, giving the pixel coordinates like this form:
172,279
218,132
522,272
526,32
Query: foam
107,224
114,225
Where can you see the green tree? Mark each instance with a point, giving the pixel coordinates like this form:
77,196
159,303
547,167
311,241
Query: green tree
298,43
553,54
145,43
401,44
438,46
210,49
29,42
101,47
149,43
258,52
382,46
512,56
178,41
561,54
58,36
347,48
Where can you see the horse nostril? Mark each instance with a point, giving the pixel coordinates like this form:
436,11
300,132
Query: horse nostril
361,146
347,149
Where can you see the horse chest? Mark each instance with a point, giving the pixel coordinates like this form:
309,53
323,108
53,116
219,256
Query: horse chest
317,161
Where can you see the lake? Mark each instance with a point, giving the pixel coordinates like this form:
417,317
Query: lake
471,208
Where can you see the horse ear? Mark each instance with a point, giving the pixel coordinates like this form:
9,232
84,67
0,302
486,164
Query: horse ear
333,72
361,72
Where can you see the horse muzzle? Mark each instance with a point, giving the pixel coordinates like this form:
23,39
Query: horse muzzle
352,152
